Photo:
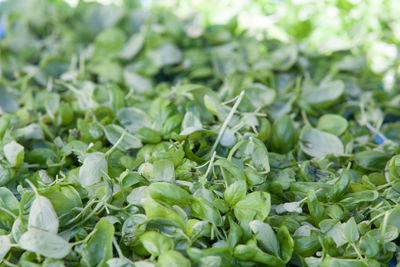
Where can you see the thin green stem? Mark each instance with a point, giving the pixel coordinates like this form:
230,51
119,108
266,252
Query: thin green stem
376,217
120,254
358,253
86,239
116,144
226,122
305,118
211,164
8,212
32,186
383,227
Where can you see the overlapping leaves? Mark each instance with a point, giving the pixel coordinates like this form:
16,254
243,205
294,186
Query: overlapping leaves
131,137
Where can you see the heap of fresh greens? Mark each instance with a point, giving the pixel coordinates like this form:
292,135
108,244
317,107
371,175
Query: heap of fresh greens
132,137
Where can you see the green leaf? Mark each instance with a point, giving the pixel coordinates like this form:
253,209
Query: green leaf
6,173
132,47
337,233
255,205
235,233
340,186
169,193
286,244
332,123
259,95
63,198
45,243
315,207
219,256
369,245
136,196
230,171
289,207
324,95
8,102
360,197
8,200
120,262
43,216
155,243
372,160
14,153
306,246
235,192
133,119
215,107
153,209
350,230
337,262
202,209
108,44
284,57
256,151
93,168
190,124
394,217
266,237
163,170
252,253
148,135
98,250
167,54
283,134
5,246
196,229
318,144
113,133
172,258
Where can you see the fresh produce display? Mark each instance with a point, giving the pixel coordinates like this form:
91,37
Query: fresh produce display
135,136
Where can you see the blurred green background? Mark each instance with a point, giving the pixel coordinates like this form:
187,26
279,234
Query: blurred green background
367,32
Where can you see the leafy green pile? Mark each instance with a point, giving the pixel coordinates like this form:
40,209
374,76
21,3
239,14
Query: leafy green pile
132,137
